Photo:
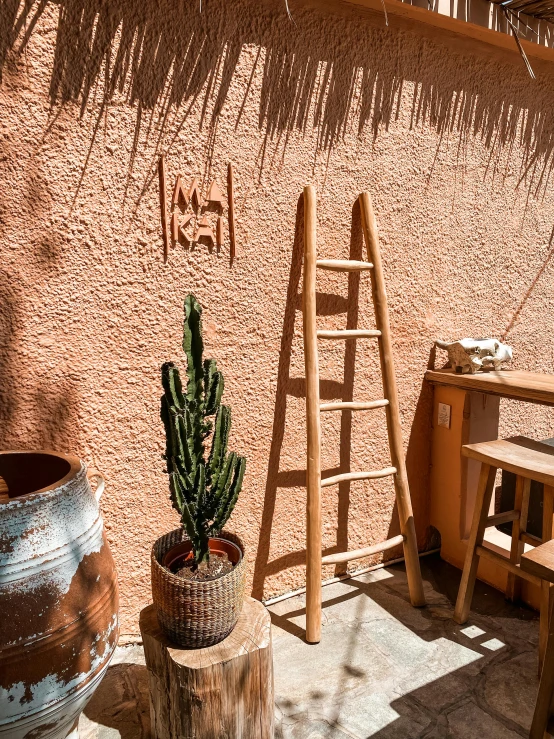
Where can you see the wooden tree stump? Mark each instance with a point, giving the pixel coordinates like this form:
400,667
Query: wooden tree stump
220,691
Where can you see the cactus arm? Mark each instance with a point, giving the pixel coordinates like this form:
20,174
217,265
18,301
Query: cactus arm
236,487
185,460
214,386
166,419
193,347
193,441
173,389
200,489
178,451
219,492
220,439
187,519
176,492
229,502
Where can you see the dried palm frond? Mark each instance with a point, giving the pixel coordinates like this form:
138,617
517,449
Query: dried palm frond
540,9
515,12
518,42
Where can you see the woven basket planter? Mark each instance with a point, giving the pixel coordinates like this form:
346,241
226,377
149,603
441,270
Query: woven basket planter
196,614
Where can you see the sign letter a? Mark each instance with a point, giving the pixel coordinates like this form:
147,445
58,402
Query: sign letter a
179,192
194,193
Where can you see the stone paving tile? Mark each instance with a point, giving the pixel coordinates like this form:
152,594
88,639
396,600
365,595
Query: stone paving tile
471,722
439,694
120,706
511,688
132,654
365,714
306,729
383,670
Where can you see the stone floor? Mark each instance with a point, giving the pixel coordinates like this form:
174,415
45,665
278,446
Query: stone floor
383,669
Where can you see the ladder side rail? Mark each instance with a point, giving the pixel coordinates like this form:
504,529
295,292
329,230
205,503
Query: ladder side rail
313,428
394,430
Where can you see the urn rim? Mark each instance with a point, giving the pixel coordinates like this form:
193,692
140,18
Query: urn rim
74,467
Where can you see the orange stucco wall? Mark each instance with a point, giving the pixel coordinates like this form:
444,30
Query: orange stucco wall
441,136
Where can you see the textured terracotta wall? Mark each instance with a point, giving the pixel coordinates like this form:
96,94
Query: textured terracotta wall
91,93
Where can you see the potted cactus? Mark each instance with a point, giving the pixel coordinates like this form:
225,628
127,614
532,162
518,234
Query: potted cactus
198,570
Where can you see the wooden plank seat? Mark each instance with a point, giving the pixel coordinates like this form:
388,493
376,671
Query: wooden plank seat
528,460
539,562
531,459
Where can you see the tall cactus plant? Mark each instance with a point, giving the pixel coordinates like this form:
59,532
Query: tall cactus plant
203,489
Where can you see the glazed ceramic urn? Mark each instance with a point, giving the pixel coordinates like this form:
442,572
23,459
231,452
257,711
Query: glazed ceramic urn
58,594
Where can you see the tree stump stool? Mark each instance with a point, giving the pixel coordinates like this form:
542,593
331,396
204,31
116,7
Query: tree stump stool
220,691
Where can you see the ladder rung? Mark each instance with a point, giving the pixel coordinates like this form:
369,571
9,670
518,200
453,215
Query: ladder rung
354,406
499,518
373,475
349,334
332,559
343,265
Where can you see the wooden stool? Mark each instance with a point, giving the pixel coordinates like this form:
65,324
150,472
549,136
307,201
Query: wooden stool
528,460
539,562
220,691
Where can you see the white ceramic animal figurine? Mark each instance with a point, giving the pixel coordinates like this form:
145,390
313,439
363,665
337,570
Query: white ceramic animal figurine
469,355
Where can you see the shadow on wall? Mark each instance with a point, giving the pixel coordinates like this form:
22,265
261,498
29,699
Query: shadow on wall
10,301
49,420
333,77
47,416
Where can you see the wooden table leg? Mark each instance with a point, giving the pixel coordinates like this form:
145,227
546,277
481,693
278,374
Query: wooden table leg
521,504
480,514
546,587
543,706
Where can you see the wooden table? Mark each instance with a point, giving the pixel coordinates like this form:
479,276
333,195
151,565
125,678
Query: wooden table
473,403
514,384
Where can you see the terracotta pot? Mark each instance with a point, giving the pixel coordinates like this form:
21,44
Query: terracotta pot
196,614
58,595
181,553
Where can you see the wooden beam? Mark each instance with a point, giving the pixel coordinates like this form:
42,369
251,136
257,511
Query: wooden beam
507,565
313,462
533,541
499,518
440,27
394,430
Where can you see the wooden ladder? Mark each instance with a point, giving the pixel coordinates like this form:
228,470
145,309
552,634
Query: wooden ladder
314,483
